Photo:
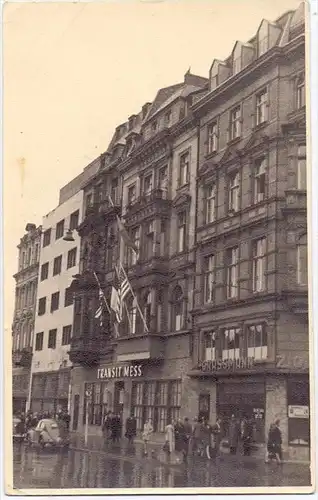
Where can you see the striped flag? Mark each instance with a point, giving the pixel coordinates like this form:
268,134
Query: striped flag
99,310
120,290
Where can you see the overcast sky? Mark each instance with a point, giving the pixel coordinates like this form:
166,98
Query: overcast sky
74,71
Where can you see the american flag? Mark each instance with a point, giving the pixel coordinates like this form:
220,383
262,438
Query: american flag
120,290
99,310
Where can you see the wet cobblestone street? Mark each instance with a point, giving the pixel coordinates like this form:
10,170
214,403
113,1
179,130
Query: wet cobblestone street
34,468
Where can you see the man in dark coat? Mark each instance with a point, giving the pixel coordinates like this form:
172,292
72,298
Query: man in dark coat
247,435
131,429
187,435
274,442
234,433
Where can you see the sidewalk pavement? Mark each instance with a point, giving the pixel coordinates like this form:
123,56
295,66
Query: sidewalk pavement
96,444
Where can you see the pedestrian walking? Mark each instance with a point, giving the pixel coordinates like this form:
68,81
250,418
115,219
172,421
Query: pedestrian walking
234,433
146,434
274,443
131,429
187,435
196,435
216,435
246,435
169,445
107,425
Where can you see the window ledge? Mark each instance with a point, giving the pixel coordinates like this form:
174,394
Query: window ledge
234,141
208,156
183,187
259,126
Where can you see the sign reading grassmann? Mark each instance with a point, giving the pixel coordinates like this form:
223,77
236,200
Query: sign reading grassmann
226,364
119,371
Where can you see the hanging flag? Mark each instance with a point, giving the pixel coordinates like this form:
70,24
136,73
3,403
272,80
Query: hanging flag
115,304
99,310
123,231
125,236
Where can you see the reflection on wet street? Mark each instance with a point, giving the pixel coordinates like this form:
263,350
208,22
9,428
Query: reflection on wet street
77,469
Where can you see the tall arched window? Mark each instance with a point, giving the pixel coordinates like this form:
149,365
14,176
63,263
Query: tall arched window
147,308
302,262
177,309
160,304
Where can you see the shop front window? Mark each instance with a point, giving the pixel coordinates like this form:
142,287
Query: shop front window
231,344
298,413
158,401
95,402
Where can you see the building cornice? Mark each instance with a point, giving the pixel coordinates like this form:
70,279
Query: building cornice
247,73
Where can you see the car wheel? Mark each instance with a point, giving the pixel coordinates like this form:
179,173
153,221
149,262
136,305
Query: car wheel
41,442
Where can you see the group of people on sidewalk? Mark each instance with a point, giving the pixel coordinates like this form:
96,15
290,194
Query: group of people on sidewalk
30,420
193,438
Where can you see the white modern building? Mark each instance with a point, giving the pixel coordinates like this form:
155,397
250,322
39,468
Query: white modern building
59,261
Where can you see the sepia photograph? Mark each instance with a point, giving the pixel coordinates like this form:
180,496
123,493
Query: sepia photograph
156,318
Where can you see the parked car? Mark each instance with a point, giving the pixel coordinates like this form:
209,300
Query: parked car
48,432
18,429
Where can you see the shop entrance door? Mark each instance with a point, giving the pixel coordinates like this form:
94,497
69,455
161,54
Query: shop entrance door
204,407
119,397
76,412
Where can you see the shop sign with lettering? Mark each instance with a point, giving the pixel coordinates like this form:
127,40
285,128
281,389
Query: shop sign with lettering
119,371
226,364
298,411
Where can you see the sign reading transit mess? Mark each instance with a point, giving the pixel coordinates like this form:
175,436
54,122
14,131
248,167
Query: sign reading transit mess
226,364
119,371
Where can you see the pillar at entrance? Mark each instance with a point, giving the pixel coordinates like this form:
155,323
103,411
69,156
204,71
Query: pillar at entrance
276,405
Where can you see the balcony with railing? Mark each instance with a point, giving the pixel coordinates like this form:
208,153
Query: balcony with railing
22,357
148,204
88,351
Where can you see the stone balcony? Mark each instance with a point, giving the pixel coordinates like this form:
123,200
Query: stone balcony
139,347
88,351
22,357
148,205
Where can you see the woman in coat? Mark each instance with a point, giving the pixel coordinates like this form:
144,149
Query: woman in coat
274,442
170,438
234,433
146,434
131,429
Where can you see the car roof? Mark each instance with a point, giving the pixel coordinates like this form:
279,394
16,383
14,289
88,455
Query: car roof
48,421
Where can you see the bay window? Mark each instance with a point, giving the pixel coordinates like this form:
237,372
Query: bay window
231,344
257,342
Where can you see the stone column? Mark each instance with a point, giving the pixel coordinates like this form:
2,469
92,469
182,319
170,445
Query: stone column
276,405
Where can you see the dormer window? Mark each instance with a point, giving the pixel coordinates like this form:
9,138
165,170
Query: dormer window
131,122
167,118
237,59
263,39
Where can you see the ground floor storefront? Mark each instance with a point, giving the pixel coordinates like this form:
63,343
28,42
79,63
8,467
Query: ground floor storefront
20,389
162,393
50,391
262,399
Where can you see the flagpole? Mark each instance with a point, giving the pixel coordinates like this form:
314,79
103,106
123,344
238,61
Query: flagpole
106,303
134,296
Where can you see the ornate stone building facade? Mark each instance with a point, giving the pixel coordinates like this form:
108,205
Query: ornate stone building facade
210,180
24,314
